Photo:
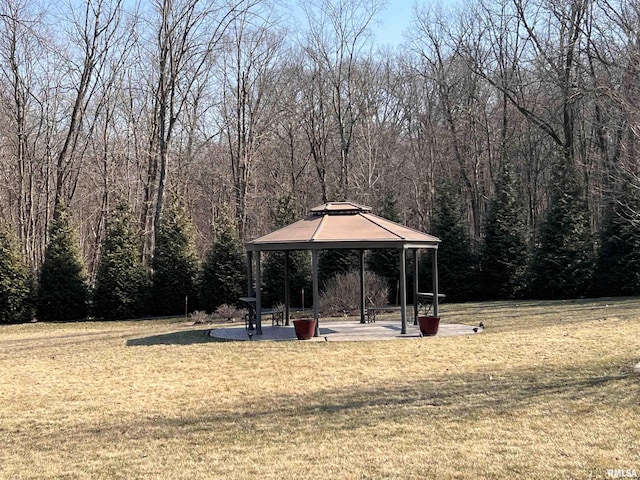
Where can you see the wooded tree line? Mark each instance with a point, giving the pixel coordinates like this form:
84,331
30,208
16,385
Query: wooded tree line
519,118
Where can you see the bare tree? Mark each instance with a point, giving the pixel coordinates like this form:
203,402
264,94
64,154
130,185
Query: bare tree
106,146
26,105
613,57
465,103
186,34
553,35
249,105
16,72
336,39
94,30
376,155
289,142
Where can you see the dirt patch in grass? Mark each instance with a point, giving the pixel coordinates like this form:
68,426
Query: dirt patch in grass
547,391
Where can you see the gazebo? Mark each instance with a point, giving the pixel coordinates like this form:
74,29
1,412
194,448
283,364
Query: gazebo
342,225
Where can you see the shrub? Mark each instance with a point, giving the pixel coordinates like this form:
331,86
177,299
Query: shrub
227,312
342,292
200,318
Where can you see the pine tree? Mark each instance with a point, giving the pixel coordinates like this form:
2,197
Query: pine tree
618,262
121,280
505,255
15,282
273,267
334,262
299,277
563,261
174,265
224,270
457,266
62,289
386,262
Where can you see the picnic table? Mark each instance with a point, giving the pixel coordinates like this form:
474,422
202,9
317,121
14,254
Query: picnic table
250,316
277,315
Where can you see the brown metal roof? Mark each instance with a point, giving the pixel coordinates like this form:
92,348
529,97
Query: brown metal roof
343,225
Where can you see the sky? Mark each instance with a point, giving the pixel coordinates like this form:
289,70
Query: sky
394,21
397,18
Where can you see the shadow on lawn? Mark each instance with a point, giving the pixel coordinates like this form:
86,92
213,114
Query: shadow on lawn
186,337
456,399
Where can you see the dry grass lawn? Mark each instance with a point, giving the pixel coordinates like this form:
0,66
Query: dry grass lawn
546,392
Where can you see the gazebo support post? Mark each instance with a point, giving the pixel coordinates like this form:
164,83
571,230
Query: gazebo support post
403,291
249,273
362,291
258,295
287,289
416,288
434,274
316,300
250,311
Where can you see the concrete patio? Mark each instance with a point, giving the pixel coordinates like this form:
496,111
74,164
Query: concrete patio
342,331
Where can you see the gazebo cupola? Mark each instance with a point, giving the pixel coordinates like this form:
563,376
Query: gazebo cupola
339,208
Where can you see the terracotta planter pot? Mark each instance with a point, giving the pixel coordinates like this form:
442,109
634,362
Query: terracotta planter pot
429,325
305,328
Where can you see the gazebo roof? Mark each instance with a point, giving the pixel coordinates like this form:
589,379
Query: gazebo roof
343,225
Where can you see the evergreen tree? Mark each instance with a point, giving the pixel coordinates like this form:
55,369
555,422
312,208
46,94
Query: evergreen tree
618,263
224,270
299,262
15,282
505,255
386,262
299,277
457,266
334,262
174,264
121,278
62,289
563,260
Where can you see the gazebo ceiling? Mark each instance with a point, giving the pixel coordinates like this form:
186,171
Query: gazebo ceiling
343,225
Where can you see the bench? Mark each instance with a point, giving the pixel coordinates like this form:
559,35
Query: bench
372,312
277,316
425,303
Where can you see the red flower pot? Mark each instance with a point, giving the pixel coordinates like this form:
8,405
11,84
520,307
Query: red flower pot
429,325
305,328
